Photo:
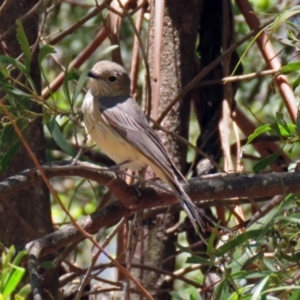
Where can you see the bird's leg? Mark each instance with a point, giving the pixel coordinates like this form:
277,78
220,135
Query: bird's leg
117,168
138,183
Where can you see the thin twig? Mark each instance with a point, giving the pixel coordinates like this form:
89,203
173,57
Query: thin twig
206,70
24,17
4,6
95,259
239,77
271,58
78,24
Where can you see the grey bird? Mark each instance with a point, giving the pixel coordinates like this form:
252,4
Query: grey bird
119,127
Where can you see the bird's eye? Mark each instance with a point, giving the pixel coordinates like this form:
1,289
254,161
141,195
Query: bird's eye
112,78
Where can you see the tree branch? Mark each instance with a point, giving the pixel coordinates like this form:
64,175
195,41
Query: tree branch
219,186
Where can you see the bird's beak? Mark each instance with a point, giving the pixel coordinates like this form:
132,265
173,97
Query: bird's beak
93,74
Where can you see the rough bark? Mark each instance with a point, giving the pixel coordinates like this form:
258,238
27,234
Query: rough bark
25,215
176,70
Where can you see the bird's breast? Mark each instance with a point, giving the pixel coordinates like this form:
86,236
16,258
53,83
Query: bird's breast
108,139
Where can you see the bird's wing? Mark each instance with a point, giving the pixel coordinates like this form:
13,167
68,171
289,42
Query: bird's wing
126,117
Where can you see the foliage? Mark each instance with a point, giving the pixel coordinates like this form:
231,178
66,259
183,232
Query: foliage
11,276
255,262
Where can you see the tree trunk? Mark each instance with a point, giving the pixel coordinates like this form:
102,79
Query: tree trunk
179,31
26,215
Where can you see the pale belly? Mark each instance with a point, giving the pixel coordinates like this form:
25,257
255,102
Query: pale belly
111,143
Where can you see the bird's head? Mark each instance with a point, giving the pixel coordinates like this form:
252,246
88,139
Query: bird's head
109,79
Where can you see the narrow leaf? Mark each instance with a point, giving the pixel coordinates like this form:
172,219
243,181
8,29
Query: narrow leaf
175,296
6,259
288,42
199,260
259,288
82,79
59,138
14,280
44,51
281,18
238,240
222,291
183,248
296,83
265,162
295,295
65,83
6,158
7,60
16,262
290,68
24,292
23,41
258,131
298,125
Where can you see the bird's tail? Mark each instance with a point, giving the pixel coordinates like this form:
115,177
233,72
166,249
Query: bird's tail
190,208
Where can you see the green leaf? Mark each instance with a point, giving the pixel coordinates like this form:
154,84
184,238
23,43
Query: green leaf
250,261
193,293
21,93
106,51
176,296
44,51
183,248
6,259
289,219
298,125
13,281
65,83
58,137
282,17
3,74
80,83
7,60
17,260
212,238
23,292
296,82
222,290
265,162
72,75
6,158
275,127
287,129
258,131
269,264
247,274
199,260
295,295
47,264
23,41
259,288
283,129
290,68
288,42
238,240
9,140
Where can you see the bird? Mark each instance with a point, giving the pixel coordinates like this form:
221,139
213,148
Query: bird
117,124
